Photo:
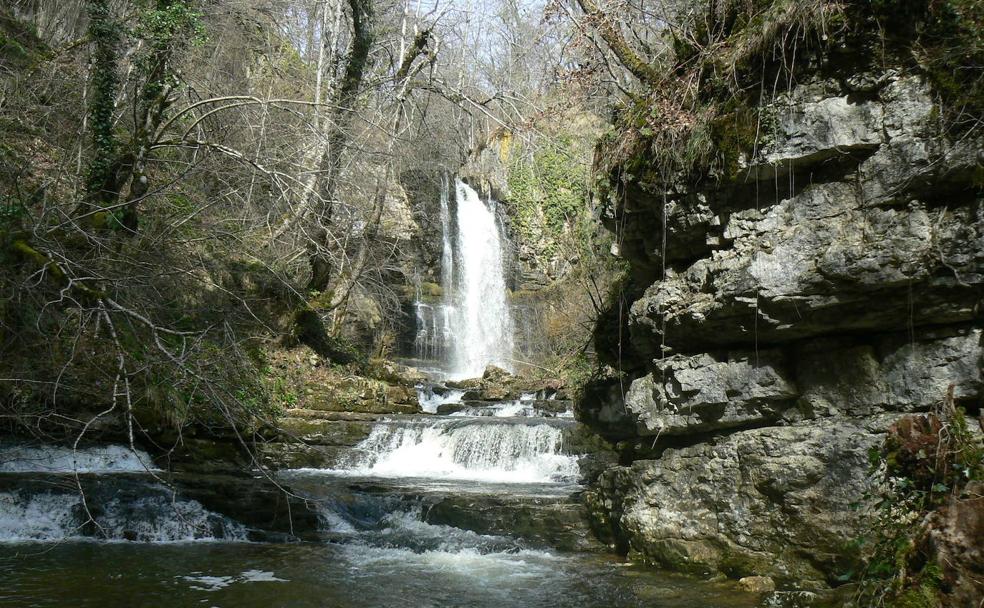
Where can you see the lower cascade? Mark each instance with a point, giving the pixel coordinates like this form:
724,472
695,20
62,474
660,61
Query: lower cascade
57,459
466,449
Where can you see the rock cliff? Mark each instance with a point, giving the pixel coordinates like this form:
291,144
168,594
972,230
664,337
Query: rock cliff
783,310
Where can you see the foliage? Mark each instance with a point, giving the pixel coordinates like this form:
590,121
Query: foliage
166,20
925,461
165,27
947,40
548,191
698,119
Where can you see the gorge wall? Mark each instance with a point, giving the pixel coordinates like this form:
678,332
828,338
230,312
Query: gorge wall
782,311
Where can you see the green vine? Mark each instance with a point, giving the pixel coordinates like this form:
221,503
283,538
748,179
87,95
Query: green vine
105,33
167,25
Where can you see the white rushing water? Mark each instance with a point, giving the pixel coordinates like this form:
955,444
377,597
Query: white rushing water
472,326
465,450
447,244
403,540
59,459
434,330
485,334
155,518
430,401
119,508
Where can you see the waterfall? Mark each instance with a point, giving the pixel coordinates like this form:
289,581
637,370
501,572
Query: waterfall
447,245
430,400
472,326
483,450
484,323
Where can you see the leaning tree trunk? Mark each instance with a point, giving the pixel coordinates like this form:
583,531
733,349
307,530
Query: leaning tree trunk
363,34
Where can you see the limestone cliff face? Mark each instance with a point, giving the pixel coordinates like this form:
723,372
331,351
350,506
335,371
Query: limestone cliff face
787,313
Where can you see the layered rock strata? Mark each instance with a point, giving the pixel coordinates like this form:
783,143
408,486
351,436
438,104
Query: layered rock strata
783,318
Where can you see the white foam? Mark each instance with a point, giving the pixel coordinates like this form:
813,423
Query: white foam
489,567
44,517
516,408
506,453
430,401
510,409
204,582
333,522
209,583
155,518
260,576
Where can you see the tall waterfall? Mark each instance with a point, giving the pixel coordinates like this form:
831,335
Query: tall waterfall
472,326
447,244
485,332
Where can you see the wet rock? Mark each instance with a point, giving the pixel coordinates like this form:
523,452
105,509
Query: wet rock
811,126
278,455
395,373
496,374
782,315
812,265
554,385
496,384
553,406
558,523
757,584
688,395
325,432
446,409
203,455
469,383
254,501
890,373
804,599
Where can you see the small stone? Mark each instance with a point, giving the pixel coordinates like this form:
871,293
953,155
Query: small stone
757,584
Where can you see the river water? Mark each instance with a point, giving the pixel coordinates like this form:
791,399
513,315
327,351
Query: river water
332,575
472,510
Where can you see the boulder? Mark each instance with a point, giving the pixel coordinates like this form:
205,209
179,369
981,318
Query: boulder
774,501
698,393
757,584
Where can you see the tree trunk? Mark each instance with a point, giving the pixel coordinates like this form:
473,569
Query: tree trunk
616,42
363,34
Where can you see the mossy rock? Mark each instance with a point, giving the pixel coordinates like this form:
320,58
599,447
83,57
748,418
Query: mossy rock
294,455
326,432
921,597
432,290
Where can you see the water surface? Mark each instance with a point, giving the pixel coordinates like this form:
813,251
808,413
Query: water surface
235,575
